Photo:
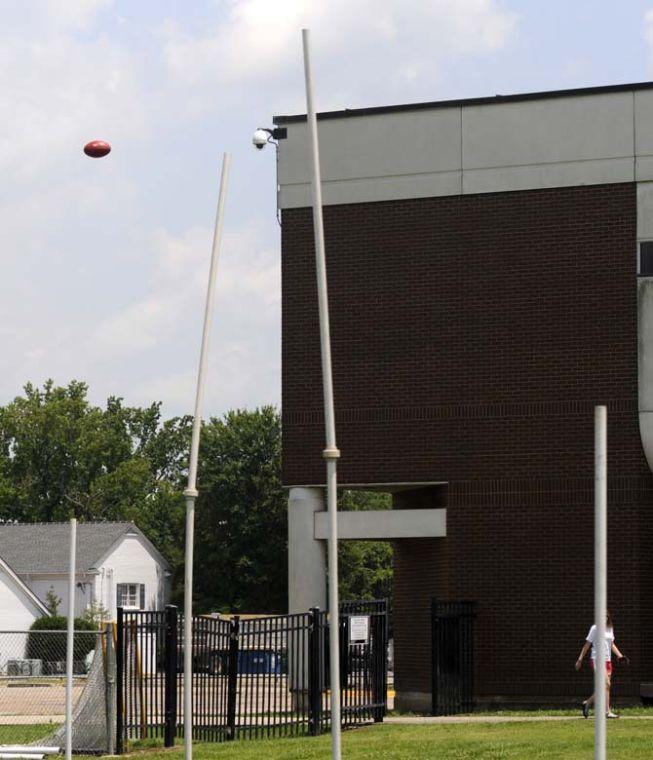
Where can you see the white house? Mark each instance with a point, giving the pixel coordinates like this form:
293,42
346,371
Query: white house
116,566
18,605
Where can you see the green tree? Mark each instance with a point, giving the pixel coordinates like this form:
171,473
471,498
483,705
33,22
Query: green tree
241,524
52,602
365,567
96,614
60,456
56,449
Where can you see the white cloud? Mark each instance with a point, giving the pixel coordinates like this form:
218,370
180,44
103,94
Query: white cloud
105,262
259,42
75,14
93,286
245,330
248,275
648,33
57,94
170,289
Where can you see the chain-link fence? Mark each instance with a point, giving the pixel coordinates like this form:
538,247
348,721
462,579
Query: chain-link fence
33,687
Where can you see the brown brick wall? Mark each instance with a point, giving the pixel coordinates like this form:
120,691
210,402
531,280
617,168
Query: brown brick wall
471,338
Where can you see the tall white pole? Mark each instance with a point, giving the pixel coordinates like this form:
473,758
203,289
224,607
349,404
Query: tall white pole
191,490
70,643
600,574
331,452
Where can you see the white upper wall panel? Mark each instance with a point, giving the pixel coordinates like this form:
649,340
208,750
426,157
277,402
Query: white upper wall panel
407,154
644,122
548,131
555,174
644,134
548,143
476,147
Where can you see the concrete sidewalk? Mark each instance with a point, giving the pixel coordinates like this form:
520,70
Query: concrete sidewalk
444,719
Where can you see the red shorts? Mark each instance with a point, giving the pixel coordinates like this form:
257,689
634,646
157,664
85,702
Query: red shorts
608,667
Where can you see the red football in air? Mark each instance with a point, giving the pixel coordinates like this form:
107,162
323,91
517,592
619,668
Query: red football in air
97,148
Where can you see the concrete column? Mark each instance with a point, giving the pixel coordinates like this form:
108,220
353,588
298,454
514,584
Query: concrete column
306,555
306,579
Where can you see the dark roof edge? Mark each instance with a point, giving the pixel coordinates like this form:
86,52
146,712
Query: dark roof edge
492,100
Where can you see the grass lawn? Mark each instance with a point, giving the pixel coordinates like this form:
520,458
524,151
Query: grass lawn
627,739
18,734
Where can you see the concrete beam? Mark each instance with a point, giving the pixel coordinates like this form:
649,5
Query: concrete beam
385,525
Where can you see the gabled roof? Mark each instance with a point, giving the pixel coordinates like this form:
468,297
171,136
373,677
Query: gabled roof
7,570
32,548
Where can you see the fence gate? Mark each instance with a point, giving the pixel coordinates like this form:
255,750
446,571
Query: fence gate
363,660
452,652
146,656
252,676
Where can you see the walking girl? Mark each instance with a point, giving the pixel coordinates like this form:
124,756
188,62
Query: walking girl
606,651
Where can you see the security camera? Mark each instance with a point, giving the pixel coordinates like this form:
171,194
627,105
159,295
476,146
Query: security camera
260,138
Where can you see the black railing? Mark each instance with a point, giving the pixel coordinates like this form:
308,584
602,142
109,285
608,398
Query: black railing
452,647
252,676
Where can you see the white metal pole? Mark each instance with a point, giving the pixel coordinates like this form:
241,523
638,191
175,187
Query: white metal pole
331,452
191,490
600,575
70,643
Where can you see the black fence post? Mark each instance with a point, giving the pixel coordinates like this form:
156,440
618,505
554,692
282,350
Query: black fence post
345,664
170,675
386,645
232,683
471,702
434,658
314,674
379,645
120,679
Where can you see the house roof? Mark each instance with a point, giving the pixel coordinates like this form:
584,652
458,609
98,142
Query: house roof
44,547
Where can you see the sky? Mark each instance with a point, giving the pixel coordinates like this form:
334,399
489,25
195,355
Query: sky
104,262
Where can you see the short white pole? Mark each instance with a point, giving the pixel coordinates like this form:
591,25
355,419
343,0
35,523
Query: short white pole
600,574
331,452
191,490
70,643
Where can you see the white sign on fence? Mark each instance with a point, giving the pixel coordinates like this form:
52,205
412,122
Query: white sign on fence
359,629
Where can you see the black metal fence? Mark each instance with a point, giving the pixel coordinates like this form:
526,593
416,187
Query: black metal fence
363,661
252,676
452,637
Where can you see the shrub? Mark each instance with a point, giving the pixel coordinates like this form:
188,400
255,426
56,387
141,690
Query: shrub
50,648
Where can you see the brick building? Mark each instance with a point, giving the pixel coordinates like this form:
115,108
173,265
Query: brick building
487,264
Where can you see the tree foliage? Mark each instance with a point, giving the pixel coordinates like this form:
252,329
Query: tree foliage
241,523
62,457
365,567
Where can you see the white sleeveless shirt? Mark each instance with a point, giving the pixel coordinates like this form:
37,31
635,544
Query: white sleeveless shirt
609,641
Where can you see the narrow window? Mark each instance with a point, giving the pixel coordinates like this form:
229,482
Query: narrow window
646,259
